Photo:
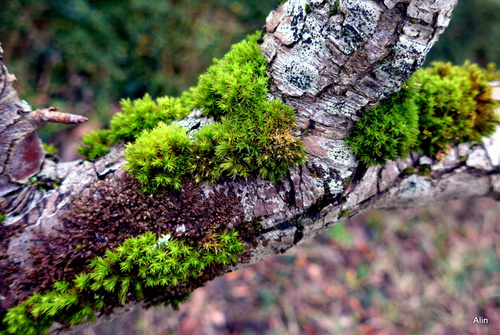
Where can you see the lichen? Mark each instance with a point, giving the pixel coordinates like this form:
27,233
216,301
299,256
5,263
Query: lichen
358,25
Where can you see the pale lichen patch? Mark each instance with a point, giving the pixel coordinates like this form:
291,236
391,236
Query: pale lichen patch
293,14
492,147
420,13
272,243
415,185
361,18
478,159
333,169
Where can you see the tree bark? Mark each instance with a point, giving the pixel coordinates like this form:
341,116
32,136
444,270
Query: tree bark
331,61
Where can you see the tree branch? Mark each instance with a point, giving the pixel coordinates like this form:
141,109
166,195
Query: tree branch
331,61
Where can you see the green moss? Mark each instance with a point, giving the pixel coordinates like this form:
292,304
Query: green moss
45,184
410,170
2,217
135,117
492,73
160,157
143,114
252,134
334,9
438,107
386,132
115,210
455,106
95,144
424,170
50,148
141,264
344,213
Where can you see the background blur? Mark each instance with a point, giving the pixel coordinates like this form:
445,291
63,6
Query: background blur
428,271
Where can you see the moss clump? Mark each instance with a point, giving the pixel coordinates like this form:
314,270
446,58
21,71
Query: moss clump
50,148
334,9
142,268
114,213
455,105
438,107
136,116
386,132
118,210
160,157
95,144
143,114
251,135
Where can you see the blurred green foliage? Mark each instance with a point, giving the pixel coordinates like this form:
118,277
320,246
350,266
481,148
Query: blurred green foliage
473,34
97,51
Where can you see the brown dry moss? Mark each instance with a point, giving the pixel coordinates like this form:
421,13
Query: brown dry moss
115,210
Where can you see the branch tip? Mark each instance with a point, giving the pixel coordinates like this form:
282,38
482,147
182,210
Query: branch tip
52,114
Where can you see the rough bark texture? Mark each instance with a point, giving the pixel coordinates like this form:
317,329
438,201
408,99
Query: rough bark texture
329,60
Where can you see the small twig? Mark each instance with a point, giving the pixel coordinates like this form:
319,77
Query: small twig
51,114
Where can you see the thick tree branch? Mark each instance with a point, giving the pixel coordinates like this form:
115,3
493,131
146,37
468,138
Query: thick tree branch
331,61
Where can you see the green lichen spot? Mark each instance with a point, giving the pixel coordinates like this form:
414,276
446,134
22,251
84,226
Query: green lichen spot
344,213
334,9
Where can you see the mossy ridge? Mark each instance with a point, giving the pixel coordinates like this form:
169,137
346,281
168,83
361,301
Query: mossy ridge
438,107
142,268
251,135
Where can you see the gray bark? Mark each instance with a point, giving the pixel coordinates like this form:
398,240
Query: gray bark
331,66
